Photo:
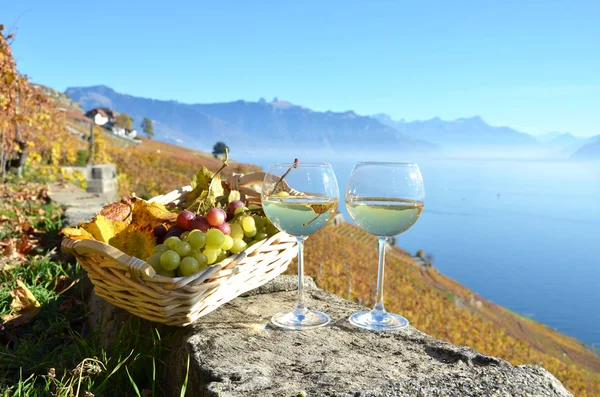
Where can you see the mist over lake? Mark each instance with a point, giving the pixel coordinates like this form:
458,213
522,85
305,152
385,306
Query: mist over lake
523,234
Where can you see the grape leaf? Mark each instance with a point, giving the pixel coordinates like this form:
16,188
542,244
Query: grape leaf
151,214
234,195
135,240
201,181
208,198
103,229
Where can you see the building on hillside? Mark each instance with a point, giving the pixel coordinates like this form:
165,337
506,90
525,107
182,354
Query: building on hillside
105,118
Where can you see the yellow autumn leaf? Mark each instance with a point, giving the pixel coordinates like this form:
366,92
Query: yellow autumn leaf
151,214
24,304
104,229
77,233
135,240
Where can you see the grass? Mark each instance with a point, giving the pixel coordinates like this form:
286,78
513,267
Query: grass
56,353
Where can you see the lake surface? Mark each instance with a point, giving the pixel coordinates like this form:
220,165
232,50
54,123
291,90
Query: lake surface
523,234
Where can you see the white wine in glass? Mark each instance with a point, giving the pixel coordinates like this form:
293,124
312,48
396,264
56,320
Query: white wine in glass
300,199
384,199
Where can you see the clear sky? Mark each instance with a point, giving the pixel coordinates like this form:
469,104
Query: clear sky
529,64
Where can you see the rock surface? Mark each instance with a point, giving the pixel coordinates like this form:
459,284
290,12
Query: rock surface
81,205
234,352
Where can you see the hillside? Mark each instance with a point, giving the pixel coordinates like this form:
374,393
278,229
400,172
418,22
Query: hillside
242,123
445,309
588,152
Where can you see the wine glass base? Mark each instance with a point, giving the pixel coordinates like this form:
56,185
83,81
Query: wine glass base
309,319
374,321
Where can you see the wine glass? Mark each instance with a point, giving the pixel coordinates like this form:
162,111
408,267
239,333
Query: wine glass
384,199
300,199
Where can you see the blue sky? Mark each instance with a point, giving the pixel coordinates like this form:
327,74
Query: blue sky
532,65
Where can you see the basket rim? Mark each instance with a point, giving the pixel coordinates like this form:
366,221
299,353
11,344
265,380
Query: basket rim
138,265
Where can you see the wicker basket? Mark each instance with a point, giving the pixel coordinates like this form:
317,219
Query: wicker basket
132,284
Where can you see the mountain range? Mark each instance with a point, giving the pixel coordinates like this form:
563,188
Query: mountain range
281,124
590,151
241,123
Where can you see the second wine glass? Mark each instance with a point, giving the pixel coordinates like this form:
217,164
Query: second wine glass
300,199
384,199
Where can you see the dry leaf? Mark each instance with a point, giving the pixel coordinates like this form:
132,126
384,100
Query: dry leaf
103,229
151,214
24,304
120,211
10,249
24,246
135,241
77,233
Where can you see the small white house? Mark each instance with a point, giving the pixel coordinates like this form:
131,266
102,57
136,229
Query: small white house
105,118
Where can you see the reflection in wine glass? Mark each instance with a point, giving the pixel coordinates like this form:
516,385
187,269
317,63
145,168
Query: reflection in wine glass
384,199
300,199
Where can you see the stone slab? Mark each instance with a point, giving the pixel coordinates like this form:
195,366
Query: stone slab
81,205
235,352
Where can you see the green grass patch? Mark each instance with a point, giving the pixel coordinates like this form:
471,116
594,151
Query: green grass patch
56,353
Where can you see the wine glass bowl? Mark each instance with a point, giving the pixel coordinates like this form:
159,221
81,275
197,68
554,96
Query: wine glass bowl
300,199
383,199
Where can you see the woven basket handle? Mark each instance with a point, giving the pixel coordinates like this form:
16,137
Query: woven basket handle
135,266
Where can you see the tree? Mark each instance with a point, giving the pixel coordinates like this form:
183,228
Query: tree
148,127
124,120
219,149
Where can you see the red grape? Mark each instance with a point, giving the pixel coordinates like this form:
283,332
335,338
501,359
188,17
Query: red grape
225,228
233,206
160,231
200,223
185,219
216,216
174,231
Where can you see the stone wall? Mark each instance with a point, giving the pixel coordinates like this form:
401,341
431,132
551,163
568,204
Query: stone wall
101,178
234,352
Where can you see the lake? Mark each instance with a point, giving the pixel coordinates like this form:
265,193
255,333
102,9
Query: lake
523,234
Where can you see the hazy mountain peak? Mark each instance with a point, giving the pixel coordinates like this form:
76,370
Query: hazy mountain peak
281,104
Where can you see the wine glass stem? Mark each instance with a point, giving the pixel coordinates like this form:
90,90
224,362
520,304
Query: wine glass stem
379,309
301,303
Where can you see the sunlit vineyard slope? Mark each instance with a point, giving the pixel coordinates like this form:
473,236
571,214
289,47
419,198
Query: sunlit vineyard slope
343,260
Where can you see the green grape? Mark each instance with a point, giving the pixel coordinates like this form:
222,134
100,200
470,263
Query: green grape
154,261
184,236
222,256
183,248
197,239
169,260
248,224
211,255
159,249
166,273
200,258
259,221
171,241
238,246
227,244
260,236
214,238
189,265
239,210
250,233
271,229
236,231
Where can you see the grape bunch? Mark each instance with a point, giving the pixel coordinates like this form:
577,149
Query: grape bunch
196,242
